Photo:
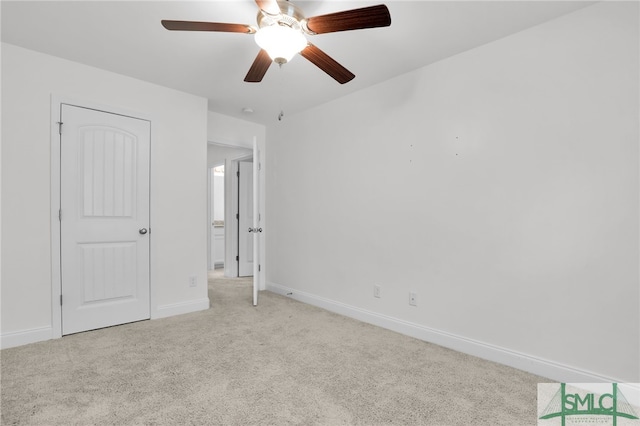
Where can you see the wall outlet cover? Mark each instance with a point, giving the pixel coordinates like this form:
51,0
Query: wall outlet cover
377,290
413,299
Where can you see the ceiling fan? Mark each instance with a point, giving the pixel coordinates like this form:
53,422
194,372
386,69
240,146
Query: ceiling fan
281,34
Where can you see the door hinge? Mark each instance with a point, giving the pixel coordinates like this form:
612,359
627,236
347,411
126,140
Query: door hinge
259,166
237,258
59,215
237,215
59,127
259,268
238,173
60,300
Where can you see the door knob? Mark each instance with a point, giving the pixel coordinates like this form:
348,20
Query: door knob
142,231
255,229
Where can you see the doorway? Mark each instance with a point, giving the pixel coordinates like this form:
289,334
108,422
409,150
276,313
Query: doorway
224,204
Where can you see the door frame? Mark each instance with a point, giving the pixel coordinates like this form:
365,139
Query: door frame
56,270
230,206
229,168
231,209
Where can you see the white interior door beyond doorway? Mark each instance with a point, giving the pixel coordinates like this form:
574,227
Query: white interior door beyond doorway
104,219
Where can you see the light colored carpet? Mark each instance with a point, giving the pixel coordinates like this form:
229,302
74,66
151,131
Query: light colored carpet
281,363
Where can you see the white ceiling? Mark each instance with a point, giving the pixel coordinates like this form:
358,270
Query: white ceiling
126,37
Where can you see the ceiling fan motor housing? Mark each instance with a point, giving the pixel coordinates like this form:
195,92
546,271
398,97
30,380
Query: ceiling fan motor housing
281,33
289,15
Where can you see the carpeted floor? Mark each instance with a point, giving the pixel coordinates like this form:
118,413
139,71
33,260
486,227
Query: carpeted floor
281,363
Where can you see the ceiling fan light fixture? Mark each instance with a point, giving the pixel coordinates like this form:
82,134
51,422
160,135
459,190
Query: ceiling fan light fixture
281,42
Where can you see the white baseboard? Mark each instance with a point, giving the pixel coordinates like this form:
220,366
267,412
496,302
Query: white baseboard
24,337
33,335
180,308
541,367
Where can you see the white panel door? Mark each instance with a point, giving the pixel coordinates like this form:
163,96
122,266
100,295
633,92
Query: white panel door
245,201
104,219
257,229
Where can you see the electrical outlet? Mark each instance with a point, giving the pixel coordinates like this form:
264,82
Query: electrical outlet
193,281
376,291
413,299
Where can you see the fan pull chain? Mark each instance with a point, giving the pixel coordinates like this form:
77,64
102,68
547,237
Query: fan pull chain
281,84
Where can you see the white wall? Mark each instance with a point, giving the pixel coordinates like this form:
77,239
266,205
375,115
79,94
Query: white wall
232,131
218,154
178,161
500,185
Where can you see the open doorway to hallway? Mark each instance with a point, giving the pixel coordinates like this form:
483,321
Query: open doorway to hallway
224,204
223,289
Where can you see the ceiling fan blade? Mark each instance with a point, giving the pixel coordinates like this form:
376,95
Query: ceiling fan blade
259,67
207,26
327,64
355,19
269,6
